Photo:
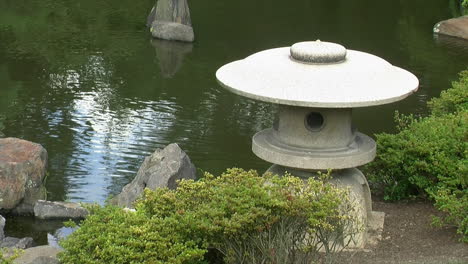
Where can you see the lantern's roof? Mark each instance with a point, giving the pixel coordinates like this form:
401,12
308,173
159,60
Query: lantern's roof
317,74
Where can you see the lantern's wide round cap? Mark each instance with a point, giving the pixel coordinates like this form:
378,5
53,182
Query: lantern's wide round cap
317,74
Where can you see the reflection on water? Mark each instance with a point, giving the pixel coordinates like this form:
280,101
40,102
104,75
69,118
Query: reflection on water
170,55
451,43
85,80
54,236
40,230
105,140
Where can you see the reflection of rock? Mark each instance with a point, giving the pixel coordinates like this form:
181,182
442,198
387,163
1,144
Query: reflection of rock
58,235
459,44
455,27
170,55
22,168
162,169
59,210
172,21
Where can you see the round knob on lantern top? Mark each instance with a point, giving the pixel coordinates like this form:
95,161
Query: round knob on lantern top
318,52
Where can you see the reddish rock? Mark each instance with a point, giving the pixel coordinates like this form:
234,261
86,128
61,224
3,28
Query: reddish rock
22,168
455,27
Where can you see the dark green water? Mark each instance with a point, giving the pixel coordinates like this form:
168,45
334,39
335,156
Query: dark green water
84,79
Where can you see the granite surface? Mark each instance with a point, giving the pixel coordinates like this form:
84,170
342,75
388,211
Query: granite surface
273,76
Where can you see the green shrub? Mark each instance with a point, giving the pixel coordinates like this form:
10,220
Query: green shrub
248,218
428,156
453,100
112,235
8,255
453,202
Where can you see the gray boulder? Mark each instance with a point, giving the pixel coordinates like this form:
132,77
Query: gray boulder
26,207
2,227
173,11
162,169
20,243
455,27
59,210
171,21
39,255
172,31
22,169
151,16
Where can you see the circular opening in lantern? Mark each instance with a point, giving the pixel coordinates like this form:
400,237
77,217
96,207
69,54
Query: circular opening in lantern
314,121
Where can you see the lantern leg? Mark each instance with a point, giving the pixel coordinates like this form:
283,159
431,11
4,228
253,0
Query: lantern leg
367,228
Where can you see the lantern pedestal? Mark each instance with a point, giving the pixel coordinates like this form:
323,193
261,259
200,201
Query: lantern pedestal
353,180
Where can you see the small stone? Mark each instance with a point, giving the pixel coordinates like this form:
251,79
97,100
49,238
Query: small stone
59,210
318,52
129,210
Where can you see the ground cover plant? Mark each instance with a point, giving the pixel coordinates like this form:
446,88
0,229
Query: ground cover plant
428,157
246,217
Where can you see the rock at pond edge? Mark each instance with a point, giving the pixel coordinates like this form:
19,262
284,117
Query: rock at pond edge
19,243
172,31
59,210
39,255
455,27
22,169
173,11
161,169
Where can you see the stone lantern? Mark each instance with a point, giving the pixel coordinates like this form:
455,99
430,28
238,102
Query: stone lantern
315,85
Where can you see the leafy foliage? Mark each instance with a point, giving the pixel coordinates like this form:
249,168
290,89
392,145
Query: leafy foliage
112,235
453,202
428,156
453,100
8,255
427,153
248,218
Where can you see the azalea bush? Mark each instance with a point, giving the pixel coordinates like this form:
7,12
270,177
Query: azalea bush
246,217
428,157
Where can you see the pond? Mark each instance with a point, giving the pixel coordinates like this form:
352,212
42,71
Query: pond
85,80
